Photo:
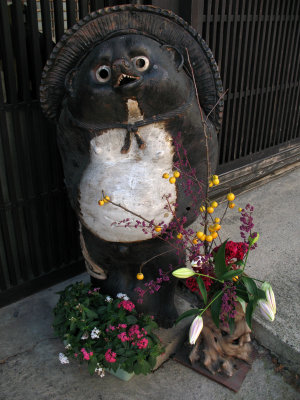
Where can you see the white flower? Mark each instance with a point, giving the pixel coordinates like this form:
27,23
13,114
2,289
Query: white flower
195,261
195,329
95,333
85,336
108,299
122,296
100,371
63,359
68,346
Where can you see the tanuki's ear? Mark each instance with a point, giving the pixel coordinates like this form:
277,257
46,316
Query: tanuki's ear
69,80
175,54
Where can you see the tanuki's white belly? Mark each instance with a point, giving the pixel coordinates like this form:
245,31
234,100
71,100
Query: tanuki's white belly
133,180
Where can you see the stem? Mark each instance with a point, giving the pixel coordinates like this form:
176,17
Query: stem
208,276
158,255
204,309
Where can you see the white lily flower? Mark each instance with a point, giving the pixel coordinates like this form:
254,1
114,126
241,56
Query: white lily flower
195,329
183,273
266,310
267,288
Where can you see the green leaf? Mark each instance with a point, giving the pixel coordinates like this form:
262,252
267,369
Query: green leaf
202,289
137,369
90,313
219,261
188,313
145,367
261,294
240,262
249,312
131,319
231,325
152,361
250,285
242,302
92,365
230,274
242,294
215,308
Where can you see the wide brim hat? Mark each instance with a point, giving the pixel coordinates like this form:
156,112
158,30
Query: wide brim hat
161,25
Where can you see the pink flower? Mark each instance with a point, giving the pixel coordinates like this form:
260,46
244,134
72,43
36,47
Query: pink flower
91,353
110,356
124,326
127,305
142,344
123,337
75,355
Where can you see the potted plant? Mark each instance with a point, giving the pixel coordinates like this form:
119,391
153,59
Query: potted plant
106,333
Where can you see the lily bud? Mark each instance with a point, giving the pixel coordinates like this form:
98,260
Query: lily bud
183,273
266,310
270,297
252,240
195,329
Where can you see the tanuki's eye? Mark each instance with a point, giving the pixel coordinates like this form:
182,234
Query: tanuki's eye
103,74
141,63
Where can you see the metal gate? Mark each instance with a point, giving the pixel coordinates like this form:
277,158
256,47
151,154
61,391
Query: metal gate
256,45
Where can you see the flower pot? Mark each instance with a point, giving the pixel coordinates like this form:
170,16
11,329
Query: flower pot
121,374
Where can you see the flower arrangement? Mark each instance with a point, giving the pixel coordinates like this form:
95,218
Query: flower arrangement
103,332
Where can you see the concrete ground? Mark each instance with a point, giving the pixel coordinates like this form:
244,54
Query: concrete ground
29,365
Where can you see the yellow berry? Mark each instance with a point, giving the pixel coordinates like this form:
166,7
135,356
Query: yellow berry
211,228
240,209
107,198
210,184
172,179
216,182
210,210
202,209
235,278
101,202
217,227
140,276
179,236
214,235
157,228
215,177
203,238
195,241
214,204
209,238
199,235
166,175
217,220
231,205
176,174
230,197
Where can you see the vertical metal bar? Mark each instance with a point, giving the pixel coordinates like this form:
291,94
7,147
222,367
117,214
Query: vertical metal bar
34,47
291,55
276,81
83,8
237,96
259,114
59,19
242,86
7,54
71,13
225,84
221,39
197,15
273,73
46,24
249,140
228,133
208,22
20,51
97,4
215,24
269,63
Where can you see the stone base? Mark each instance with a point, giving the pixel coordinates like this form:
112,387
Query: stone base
173,338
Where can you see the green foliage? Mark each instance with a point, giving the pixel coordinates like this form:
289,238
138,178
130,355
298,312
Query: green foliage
219,261
80,310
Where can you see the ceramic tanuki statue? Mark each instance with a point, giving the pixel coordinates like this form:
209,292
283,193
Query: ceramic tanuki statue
119,86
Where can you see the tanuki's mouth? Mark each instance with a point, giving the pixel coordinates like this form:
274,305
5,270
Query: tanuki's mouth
125,79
